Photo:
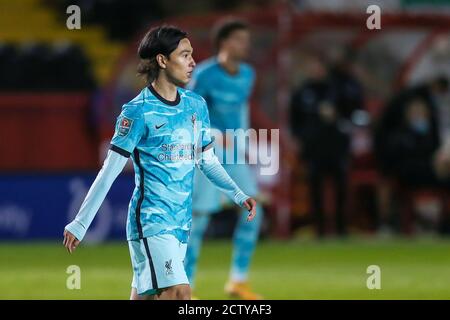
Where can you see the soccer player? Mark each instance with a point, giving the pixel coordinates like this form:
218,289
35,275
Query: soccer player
226,82
165,130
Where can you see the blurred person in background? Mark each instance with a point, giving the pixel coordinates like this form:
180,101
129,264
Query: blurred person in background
431,93
226,83
412,146
412,140
319,111
347,88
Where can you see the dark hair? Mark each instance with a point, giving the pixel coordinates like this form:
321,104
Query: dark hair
224,28
158,40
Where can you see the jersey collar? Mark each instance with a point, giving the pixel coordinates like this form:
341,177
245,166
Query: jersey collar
165,101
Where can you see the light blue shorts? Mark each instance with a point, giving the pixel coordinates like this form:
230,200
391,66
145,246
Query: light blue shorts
158,263
207,198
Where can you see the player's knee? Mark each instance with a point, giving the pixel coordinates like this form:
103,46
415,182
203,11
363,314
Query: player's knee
135,296
184,293
179,292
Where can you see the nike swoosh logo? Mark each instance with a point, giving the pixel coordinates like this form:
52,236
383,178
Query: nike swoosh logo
158,127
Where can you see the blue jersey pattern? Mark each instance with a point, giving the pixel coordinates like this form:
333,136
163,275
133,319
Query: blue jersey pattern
162,138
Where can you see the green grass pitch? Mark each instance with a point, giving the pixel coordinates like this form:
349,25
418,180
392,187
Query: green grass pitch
410,269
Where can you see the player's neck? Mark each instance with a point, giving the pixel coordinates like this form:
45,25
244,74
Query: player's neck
165,88
230,65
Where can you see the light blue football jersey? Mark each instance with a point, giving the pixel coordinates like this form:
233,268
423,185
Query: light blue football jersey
163,138
226,95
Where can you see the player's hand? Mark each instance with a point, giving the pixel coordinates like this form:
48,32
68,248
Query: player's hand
70,241
250,205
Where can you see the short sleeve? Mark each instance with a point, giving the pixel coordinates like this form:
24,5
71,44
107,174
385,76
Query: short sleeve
130,127
206,140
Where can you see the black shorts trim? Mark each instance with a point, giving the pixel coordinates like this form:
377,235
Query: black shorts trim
152,267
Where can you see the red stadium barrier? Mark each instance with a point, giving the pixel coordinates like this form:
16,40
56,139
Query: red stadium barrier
46,132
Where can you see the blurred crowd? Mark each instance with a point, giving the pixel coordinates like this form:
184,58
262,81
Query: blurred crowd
411,147
125,18
38,66
121,18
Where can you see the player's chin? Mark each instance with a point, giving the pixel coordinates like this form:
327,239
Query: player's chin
181,82
186,81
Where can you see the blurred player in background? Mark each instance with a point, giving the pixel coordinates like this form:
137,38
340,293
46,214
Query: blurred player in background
226,82
165,130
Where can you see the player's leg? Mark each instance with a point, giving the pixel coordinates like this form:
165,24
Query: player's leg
244,243
316,178
181,290
245,236
340,187
135,296
178,292
205,200
200,222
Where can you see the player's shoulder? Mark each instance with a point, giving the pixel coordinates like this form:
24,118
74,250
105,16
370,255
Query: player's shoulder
206,67
135,105
196,101
138,100
247,69
191,96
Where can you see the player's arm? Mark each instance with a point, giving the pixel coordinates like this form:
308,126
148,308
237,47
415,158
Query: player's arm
211,167
129,130
245,111
74,232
